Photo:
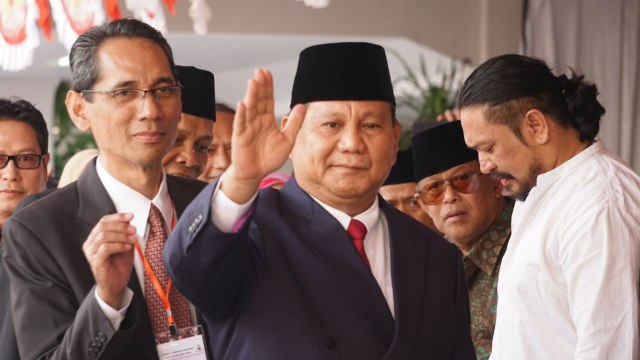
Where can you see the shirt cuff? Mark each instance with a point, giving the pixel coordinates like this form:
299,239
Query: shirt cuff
115,316
227,214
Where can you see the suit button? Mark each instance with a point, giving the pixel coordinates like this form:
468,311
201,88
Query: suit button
101,338
330,342
199,218
93,354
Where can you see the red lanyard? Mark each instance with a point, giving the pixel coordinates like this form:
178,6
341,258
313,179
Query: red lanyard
164,295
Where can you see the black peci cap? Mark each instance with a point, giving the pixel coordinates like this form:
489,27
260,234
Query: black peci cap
198,92
342,71
439,149
402,170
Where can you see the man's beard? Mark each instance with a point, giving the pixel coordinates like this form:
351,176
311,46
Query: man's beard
525,187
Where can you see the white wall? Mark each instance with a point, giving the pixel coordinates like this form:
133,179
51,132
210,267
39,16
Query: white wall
39,92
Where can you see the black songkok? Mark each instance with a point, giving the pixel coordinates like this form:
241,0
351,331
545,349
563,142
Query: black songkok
439,149
198,92
402,170
342,71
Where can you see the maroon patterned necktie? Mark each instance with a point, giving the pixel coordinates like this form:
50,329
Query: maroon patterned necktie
153,252
357,231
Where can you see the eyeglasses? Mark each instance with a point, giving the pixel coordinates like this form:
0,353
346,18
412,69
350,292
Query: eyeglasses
127,96
22,161
433,192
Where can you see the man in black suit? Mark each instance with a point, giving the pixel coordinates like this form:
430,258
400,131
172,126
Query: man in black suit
23,171
78,287
323,268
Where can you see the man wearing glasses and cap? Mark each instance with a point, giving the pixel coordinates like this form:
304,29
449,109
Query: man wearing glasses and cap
188,155
83,261
468,208
23,171
323,268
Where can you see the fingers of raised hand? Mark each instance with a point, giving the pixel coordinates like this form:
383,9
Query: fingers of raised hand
112,235
294,122
259,96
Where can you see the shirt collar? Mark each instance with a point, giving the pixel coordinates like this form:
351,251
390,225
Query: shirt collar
551,177
486,252
129,200
369,217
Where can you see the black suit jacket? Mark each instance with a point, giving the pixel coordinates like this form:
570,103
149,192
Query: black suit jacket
8,344
290,285
54,308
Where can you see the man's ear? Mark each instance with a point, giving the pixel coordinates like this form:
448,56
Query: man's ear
76,108
535,126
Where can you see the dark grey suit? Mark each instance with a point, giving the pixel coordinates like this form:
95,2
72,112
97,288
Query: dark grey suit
8,344
52,288
290,285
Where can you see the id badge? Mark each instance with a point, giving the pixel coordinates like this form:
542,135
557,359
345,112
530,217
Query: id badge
187,345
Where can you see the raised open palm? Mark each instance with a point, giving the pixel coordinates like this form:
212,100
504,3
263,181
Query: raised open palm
259,146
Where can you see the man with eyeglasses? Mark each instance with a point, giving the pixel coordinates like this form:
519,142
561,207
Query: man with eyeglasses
188,155
84,261
467,207
23,171
23,154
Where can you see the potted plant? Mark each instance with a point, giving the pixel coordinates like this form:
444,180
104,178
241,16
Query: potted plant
424,96
68,139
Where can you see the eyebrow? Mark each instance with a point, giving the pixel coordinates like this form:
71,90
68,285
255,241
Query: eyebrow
130,83
476,145
23,151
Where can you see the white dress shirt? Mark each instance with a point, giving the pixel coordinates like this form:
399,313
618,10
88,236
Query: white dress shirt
568,287
128,200
225,213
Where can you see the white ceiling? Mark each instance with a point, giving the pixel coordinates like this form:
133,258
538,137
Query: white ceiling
233,57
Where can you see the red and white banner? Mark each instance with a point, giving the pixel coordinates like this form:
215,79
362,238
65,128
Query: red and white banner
148,11
18,34
74,17
200,13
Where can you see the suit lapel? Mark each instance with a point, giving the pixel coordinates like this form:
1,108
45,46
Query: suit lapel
93,200
408,266
144,333
178,196
324,234
94,203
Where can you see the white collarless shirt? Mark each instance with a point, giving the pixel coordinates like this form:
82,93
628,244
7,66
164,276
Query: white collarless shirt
568,286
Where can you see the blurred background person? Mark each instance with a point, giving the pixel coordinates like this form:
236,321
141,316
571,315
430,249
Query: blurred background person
399,189
24,140
274,180
188,155
468,209
219,157
76,165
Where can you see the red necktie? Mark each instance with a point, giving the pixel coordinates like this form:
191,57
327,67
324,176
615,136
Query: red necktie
357,231
153,252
